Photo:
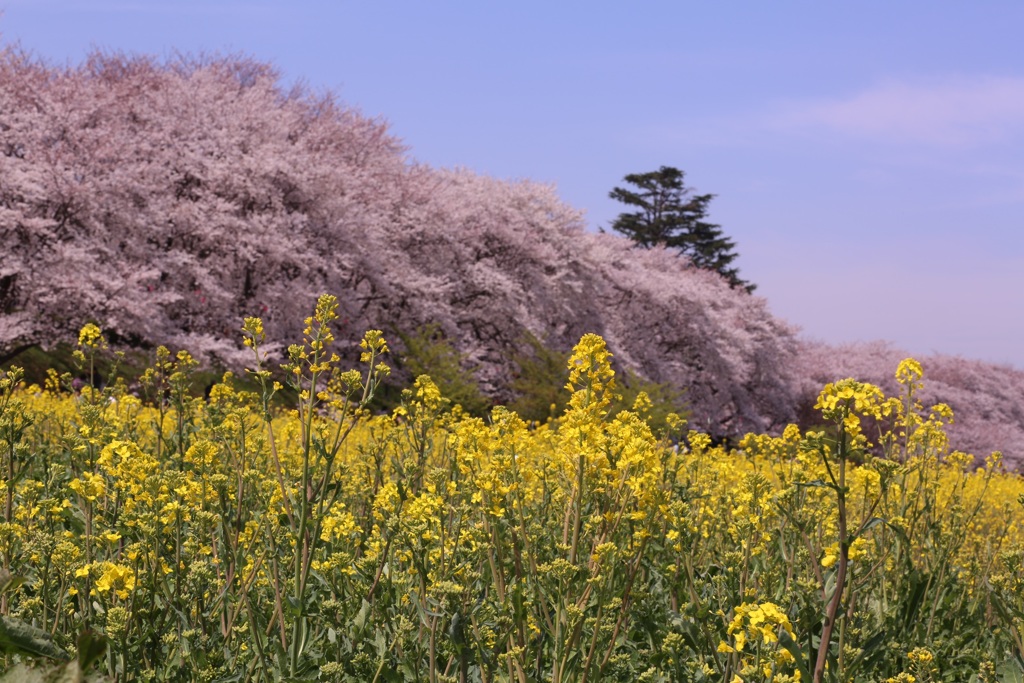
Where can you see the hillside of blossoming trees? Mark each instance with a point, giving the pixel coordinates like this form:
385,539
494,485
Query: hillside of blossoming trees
168,200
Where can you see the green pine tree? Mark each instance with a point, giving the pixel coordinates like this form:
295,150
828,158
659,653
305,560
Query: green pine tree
669,214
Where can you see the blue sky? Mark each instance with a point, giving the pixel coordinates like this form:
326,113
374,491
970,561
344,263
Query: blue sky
868,158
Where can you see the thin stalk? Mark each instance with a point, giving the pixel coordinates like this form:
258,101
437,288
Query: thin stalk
832,611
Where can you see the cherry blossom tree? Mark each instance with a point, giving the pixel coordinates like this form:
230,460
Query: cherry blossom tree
167,200
987,399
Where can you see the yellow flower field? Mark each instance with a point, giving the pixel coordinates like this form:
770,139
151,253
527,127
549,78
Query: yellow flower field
220,538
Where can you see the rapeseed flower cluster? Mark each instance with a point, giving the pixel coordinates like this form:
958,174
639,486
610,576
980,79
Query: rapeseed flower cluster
754,631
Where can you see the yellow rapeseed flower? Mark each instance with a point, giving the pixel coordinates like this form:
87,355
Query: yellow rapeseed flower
116,578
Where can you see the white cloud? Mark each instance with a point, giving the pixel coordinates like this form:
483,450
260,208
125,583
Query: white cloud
954,112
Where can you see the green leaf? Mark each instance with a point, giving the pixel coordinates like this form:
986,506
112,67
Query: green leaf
17,637
360,621
1010,671
9,582
1007,611
868,648
870,524
91,647
800,662
292,606
919,584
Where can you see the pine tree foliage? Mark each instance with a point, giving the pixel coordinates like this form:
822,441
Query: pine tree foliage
668,214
